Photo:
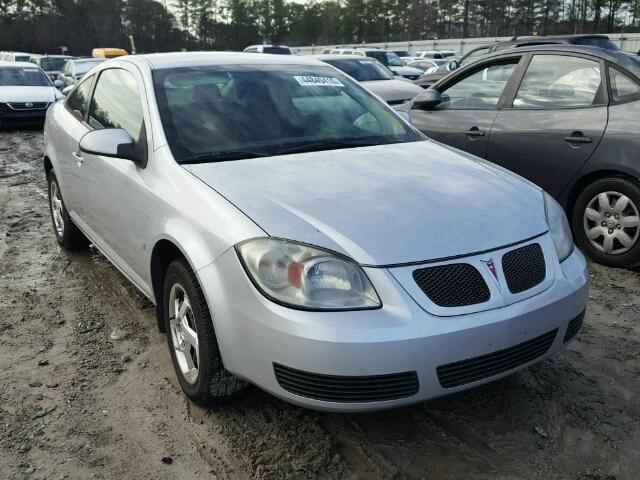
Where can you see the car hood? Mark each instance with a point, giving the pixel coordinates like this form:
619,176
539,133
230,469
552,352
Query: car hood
393,90
405,70
383,205
27,94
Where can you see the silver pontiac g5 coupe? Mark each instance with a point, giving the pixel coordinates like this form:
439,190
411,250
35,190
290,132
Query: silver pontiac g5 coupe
296,233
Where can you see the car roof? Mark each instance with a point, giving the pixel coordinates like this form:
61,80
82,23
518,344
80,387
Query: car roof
334,56
18,64
614,56
188,59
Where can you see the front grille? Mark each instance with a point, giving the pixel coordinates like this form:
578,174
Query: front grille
485,366
574,327
454,285
335,388
32,106
524,267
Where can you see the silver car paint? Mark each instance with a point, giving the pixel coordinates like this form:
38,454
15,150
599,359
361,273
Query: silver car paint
126,210
393,90
351,201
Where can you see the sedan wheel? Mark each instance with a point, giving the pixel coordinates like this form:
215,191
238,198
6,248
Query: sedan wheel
57,210
66,232
612,223
192,340
184,333
606,222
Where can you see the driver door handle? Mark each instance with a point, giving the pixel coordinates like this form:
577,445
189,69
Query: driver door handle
474,132
577,137
78,158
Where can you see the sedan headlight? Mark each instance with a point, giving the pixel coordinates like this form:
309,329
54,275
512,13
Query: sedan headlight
558,227
306,277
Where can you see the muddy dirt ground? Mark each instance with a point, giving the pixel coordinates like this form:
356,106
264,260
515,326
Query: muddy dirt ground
76,404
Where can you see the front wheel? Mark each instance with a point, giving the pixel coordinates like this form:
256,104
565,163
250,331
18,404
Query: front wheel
606,222
192,340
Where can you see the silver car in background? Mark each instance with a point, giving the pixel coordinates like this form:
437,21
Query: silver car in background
295,233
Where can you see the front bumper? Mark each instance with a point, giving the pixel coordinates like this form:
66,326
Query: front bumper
254,334
9,117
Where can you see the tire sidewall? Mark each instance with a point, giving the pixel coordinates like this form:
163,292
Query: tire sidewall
60,239
178,273
621,185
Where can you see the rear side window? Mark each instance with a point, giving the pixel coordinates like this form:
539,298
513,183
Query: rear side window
77,101
559,81
116,103
623,89
600,42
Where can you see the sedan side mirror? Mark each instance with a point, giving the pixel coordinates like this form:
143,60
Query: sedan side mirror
114,143
427,99
453,65
59,84
67,90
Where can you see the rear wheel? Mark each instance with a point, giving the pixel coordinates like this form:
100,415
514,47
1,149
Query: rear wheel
192,340
606,222
66,232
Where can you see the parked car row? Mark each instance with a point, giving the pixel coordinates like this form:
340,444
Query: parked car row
296,233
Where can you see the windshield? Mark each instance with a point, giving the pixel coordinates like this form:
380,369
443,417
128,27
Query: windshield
448,54
404,53
84,67
23,77
52,64
210,113
363,70
277,50
600,42
23,58
386,58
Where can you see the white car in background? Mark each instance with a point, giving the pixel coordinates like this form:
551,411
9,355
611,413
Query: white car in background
437,54
74,70
51,64
375,77
25,94
15,57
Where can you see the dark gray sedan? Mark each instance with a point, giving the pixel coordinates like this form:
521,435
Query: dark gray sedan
565,117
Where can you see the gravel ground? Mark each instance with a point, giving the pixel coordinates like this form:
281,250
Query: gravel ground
77,404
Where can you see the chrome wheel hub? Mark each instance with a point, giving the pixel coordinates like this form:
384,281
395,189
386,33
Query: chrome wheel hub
184,334
612,223
56,209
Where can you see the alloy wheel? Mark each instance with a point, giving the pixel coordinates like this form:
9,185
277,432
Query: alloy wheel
184,333
612,223
57,209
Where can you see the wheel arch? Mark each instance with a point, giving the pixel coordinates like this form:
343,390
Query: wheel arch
48,166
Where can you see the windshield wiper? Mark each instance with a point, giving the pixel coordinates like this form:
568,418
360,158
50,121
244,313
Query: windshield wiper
332,145
222,156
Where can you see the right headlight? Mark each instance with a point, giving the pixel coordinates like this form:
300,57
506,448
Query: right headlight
306,277
558,227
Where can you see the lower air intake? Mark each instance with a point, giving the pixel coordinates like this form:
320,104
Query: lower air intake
485,366
575,325
335,388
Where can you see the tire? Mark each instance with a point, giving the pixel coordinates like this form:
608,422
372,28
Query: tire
618,229
212,384
67,233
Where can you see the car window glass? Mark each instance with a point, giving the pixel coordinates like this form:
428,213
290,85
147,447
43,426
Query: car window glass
116,103
481,89
558,81
23,77
623,89
77,101
267,109
476,54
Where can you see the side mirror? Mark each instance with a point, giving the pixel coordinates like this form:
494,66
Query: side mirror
67,90
113,143
453,65
427,99
59,84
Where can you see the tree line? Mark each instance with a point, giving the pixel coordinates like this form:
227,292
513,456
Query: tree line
43,26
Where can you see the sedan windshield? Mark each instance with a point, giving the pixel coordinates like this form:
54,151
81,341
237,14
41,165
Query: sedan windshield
53,64
277,50
229,112
363,70
23,77
386,58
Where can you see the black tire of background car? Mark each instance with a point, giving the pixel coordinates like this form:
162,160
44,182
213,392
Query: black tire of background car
215,385
72,238
629,259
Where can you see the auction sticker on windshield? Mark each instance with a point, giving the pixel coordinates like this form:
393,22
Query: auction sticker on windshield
307,81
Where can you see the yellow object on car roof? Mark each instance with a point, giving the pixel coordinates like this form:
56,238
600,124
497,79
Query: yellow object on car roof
108,52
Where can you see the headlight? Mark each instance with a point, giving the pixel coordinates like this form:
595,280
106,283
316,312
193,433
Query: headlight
558,227
306,277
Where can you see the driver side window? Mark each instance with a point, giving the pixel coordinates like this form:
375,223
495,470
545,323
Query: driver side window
480,90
